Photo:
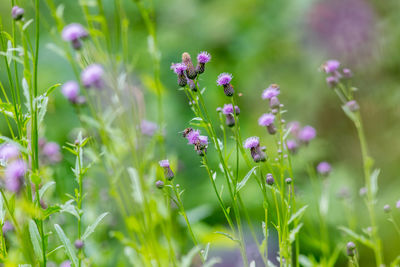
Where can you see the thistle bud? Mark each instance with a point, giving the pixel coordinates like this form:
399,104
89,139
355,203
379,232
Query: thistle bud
351,249
187,61
169,175
253,143
288,180
270,179
78,244
387,208
202,59
159,184
17,12
274,102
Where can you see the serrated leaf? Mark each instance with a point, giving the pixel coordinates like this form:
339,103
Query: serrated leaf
45,187
67,244
359,238
245,179
298,214
36,240
90,229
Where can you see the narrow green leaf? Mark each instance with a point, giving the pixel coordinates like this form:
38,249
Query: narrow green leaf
52,88
36,240
245,179
90,229
298,214
294,232
227,235
67,245
45,187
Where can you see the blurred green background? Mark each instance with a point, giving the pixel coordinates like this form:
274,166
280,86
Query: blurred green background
263,42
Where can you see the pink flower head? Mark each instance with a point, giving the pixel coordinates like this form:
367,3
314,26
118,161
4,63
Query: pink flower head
164,163
398,204
331,66
203,140
178,68
203,57
324,168
14,175
224,79
71,91
148,128
193,136
306,134
228,109
266,119
8,151
252,142
271,91
92,76
17,12
73,32
51,151
291,145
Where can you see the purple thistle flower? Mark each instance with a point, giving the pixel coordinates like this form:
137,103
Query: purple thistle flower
92,76
271,91
331,66
164,163
353,105
148,128
70,90
203,140
387,208
169,175
324,168
347,73
17,12
224,79
179,69
201,145
8,151
332,81
252,142
193,136
292,145
51,151
14,175
306,134
398,204
227,110
267,120
73,33
203,57
288,180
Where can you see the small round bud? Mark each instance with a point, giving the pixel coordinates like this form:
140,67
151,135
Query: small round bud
17,12
270,179
351,249
159,184
387,208
78,244
288,180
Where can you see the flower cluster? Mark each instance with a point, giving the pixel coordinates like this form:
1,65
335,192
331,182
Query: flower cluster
229,113
301,135
253,143
186,72
200,142
335,74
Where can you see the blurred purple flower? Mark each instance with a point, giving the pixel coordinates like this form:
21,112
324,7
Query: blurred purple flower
8,151
17,12
73,33
306,134
14,175
292,145
331,66
169,175
66,263
324,168
353,105
164,163
398,204
7,226
148,128
70,90
266,119
193,136
271,91
51,151
92,76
